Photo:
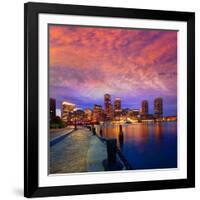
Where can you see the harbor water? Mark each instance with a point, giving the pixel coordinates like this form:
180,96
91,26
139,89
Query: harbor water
146,145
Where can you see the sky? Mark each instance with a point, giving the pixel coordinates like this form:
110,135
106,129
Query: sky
134,64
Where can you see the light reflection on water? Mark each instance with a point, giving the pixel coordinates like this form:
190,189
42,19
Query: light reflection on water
146,145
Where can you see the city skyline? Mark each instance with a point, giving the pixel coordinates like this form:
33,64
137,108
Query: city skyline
150,105
135,65
114,104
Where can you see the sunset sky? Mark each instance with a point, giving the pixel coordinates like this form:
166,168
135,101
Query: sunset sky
133,64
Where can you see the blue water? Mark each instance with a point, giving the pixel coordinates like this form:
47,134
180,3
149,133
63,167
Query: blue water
147,145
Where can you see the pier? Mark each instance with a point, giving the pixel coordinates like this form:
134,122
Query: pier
81,150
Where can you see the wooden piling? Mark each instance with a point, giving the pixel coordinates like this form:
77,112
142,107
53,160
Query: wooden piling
101,131
121,136
93,130
120,129
111,150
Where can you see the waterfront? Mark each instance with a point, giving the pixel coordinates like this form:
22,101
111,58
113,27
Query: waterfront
108,77
151,145
70,154
78,151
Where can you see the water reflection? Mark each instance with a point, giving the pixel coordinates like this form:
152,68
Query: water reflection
158,132
121,137
145,145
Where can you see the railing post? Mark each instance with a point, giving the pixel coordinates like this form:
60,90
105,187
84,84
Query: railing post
121,134
120,129
101,131
93,130
111,150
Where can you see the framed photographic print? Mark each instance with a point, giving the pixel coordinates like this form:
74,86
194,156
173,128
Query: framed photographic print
109,99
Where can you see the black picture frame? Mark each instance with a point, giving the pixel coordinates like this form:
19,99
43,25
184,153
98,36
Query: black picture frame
31,12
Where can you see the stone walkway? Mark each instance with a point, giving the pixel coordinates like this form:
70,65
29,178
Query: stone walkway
70,154
80,151
97,152
54,133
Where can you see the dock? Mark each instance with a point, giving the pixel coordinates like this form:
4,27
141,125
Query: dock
75,151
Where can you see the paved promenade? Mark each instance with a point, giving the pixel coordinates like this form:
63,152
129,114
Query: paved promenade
54,133
80,151
97,152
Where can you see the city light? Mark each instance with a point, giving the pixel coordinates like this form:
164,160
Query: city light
70,114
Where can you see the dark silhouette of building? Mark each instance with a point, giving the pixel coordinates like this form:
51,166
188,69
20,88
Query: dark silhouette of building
108,108
144,107
107,102
117,108
158,107
110,112
117,104
97,113
52,109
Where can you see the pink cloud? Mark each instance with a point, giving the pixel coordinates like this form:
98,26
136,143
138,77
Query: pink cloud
119,61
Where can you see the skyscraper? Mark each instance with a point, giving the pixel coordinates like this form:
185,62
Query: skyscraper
88,114
108,109
97,113
107,102
117,108
52,109
144,107
67,108
158,107
117,104
110,112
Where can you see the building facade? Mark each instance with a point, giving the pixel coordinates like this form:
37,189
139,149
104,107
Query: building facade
117,108
88,114
107,102
97,113
133,113
117,104
67,109
144,108
110,112
52,109
108,108
78,116
158,107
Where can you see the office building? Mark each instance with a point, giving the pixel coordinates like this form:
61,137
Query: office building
97,113
117,104
144,107
52,109
158,107
108,108
67,109
107,102
88,114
